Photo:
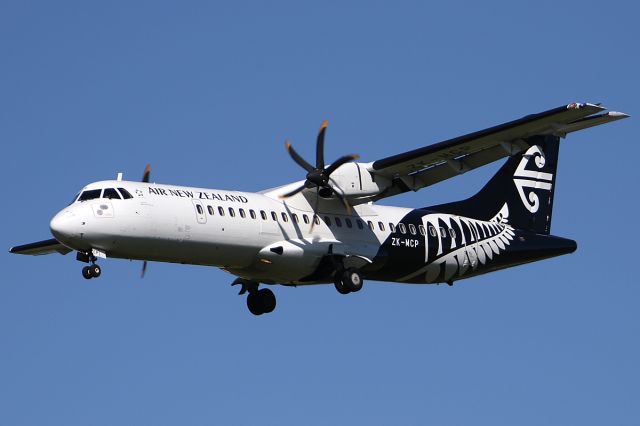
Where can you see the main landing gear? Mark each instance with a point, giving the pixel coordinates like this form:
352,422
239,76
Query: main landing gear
348,281
259,301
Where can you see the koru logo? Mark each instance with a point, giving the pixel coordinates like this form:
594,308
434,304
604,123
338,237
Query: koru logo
532,179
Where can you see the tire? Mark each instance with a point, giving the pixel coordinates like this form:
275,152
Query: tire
86,272
95,271
342,289
352,279
254,303
268,300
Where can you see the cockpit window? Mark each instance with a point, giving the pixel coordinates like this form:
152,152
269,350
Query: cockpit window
90,195
111,194
125,194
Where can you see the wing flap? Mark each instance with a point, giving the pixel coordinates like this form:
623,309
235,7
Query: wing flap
40,248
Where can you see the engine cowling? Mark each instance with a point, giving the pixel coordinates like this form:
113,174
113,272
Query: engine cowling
357,181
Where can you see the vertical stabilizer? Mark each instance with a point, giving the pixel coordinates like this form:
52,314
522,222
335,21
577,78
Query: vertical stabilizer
525,183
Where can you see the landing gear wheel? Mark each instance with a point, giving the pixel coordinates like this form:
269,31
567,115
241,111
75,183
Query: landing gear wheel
261,302
86,272
339,284
95,271
268,300
254,303
352,279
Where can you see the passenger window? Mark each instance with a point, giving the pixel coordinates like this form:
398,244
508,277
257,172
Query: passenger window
402,228
263,215
232,213
305,218
252,214
199,208
412,229
242,213
110,194
295,218
370,225
348,222
274,216
432,231
381,226
125,194
359,222
210,210
392,227
327,220
421,229
92,194
443,233
452,233
338,222
316,220
220,211
285,218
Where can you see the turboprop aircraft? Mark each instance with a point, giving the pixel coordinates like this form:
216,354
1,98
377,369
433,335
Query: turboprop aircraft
328,228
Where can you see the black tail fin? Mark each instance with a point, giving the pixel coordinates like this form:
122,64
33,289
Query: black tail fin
525,183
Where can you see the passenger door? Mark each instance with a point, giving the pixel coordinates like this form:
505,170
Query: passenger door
200,212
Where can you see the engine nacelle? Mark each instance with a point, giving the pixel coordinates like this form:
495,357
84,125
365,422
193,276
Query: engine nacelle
357,181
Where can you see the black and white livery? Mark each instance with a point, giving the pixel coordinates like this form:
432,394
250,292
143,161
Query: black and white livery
328,228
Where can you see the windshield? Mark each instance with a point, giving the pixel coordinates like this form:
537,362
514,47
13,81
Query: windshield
90,195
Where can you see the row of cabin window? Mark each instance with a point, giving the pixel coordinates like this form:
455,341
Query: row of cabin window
338,222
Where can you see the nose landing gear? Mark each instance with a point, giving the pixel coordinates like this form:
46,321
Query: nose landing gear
92,271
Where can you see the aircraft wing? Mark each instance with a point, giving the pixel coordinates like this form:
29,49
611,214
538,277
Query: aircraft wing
431,164
40,248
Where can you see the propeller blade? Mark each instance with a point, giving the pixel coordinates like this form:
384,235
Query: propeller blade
147,172
297,158
144,269
294,192
315,210
320,146
340,196
339,162
145,178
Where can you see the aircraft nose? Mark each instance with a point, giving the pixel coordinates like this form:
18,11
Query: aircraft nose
63,226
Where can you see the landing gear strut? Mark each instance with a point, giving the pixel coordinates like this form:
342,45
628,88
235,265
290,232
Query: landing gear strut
259,301
348,281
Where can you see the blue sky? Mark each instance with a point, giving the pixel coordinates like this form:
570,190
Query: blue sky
207,92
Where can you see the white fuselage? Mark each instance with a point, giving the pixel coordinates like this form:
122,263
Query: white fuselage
229,229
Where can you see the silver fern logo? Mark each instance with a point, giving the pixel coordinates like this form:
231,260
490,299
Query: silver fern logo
486,240
532,179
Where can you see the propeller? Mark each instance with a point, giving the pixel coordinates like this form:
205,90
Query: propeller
145,179
320,176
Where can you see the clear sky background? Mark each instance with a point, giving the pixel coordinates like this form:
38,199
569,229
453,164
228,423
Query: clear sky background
207,92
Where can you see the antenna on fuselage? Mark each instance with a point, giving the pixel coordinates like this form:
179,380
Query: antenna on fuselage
119,178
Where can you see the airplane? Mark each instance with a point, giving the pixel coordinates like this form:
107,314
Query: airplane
328,227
